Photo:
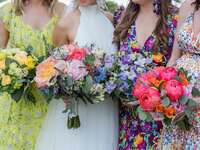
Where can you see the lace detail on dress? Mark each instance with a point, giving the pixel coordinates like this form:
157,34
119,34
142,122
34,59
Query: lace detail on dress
20,122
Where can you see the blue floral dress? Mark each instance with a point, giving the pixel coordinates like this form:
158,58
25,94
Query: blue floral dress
189,43
135,133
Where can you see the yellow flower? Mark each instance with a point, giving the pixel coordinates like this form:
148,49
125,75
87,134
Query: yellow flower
5,80
138,140
2,64
158,57
30,63
2,56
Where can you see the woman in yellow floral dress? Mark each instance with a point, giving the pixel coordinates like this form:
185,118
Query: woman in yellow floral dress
25,24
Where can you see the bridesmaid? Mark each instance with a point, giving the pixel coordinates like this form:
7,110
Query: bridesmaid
146,25
187,47
25,24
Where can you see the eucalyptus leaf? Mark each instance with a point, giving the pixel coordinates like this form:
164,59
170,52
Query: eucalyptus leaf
191,103
183,100
88,85
195,92
142,115
166,102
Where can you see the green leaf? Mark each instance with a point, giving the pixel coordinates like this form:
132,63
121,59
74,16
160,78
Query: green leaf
195,92
166,102
17,94
184,124
183,100
90,59
69,81
191,103
28,95
149,117
167,121
188,112
142,115
88,85
9,61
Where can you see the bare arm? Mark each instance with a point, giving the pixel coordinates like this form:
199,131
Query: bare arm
185,10
60,33
65,30
4,35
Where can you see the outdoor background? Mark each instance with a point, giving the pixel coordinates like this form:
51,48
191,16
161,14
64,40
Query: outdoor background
112,4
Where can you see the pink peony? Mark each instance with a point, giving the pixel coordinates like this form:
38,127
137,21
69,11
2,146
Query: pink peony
149,99
138,89
168,73
158,71
174,90
45,71
77,70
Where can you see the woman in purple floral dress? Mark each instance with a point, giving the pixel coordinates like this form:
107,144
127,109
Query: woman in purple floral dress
146,26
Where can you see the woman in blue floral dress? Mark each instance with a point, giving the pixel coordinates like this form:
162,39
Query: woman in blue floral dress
146,26
186,55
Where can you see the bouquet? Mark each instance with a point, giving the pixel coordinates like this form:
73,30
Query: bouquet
162,93
69,72
16,73
125,70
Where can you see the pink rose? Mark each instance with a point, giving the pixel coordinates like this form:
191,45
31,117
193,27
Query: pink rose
45,71
76,53
61,65
77,70
168,73
174,90
149,99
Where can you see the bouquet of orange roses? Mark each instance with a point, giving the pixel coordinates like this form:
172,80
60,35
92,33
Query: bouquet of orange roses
162,93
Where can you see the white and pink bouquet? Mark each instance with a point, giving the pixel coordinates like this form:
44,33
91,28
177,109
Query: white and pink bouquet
69,74
162,93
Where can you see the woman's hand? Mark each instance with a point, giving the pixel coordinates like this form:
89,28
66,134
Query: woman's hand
66,101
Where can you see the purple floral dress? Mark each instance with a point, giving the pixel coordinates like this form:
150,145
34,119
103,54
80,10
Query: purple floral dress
135,133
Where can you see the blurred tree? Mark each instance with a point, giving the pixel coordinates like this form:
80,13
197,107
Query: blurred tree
111,6
2,1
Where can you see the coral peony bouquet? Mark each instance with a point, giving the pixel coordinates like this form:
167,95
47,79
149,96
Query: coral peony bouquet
17,70
70,74
162,93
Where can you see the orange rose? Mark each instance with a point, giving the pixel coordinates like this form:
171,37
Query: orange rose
158,57
184,79
170,112
154,81
160,108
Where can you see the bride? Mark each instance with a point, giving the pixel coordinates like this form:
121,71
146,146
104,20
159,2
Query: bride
84,23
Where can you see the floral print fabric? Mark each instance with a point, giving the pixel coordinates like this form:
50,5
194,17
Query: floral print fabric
174,138
135,133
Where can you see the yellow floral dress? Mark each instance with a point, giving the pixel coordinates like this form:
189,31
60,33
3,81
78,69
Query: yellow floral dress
20,122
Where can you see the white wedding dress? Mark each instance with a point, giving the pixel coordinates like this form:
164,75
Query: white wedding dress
99,122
